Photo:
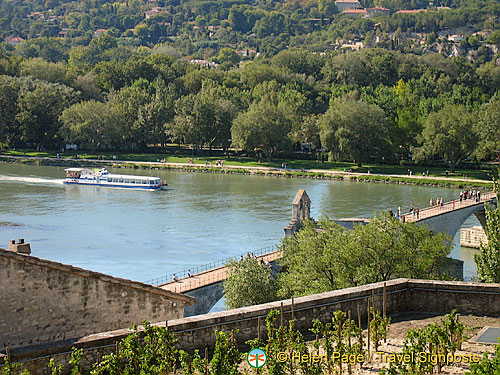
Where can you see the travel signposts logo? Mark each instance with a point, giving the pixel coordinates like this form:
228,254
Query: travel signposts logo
256,358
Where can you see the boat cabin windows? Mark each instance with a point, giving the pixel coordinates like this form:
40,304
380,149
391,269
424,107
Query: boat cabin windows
73,172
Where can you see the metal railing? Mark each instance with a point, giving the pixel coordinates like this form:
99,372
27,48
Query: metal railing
196,270
447,207
212,276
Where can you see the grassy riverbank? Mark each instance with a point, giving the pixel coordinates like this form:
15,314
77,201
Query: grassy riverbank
295,168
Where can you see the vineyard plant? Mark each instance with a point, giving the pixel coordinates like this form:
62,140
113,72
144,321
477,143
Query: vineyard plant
153,350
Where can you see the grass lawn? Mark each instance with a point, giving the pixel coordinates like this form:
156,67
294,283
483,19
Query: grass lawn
276,163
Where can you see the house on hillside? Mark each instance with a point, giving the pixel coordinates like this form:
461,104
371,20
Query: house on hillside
455,38
63,33
347,4
154,11
377,11
14,40
355,12
411,11
99,32
36,16
205,63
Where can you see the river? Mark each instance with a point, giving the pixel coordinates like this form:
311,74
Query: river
201,218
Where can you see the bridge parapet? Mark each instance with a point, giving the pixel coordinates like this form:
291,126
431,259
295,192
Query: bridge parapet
448,207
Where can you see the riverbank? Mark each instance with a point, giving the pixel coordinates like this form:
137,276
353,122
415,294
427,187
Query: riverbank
452,182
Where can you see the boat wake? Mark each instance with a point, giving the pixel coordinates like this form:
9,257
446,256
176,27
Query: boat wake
31,180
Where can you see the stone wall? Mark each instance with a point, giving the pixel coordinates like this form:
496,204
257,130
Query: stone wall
473,237
197,332
444,296
43,301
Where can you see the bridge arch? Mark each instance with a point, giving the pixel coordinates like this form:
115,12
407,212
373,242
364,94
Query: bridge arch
450,221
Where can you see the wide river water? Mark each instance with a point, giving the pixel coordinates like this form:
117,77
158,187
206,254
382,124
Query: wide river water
201,218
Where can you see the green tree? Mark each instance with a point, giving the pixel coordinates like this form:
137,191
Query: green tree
128,102
299,61
488,130
495,38
153,118
46,71
228,56
10,133
448,133
335,258
327,7
488,259
204,118
263,126
39,108
353,130
249,283
87,84
90,124
238,19
307,131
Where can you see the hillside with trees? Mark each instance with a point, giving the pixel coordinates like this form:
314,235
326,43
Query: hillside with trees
266,78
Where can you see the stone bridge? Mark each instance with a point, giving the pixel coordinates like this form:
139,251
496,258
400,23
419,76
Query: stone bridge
206,286
449,217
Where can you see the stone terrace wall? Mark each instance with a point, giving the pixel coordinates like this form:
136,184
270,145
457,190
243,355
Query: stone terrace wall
197,332
43,301
444,296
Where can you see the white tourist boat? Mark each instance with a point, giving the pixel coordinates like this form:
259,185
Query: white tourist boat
101,177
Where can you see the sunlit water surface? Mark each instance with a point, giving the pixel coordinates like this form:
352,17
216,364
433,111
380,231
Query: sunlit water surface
201,218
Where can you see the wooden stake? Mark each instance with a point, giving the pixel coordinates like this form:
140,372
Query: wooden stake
7,351
117,349
349,369
282,319
359,316
384,307
373,300
293,309
258,328
340,340
368,329
206,362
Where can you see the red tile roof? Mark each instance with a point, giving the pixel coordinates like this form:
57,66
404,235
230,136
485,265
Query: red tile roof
411,11
354,11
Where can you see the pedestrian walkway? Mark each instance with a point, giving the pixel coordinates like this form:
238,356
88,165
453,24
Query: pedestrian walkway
447,207
212,276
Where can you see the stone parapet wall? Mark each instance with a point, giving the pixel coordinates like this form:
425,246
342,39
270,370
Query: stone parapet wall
43,301
197,332
444,296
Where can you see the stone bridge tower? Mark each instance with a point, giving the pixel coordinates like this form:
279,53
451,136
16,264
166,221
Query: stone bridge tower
301,210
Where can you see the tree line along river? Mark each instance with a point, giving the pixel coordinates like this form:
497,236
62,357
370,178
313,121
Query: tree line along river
200,218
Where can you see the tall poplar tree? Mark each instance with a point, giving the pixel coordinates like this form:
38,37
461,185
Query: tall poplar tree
488,260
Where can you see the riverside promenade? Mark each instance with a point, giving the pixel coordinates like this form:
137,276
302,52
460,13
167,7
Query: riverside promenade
254,170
